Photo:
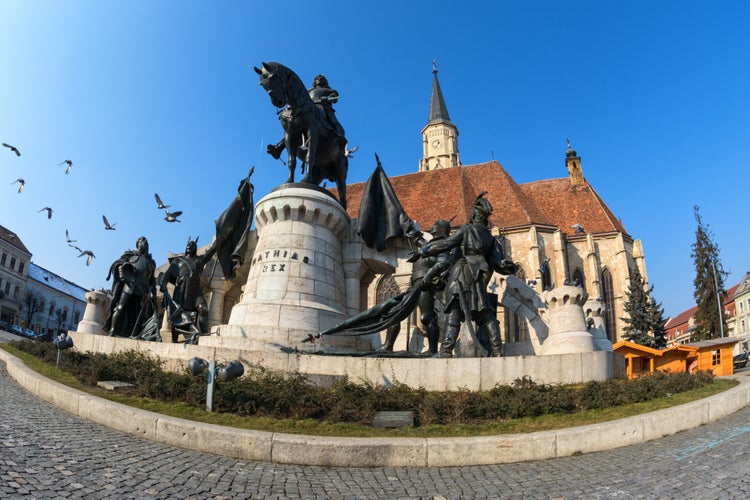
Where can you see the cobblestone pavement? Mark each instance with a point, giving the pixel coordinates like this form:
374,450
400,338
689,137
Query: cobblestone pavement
48,453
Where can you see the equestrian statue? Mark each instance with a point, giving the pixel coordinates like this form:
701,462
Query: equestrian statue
311,131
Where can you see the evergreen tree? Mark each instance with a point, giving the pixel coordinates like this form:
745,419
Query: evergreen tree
708,284
657,322
644,323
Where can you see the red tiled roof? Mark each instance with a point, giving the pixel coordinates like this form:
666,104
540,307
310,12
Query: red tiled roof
566,205
685,316
681,318
443,193
13,239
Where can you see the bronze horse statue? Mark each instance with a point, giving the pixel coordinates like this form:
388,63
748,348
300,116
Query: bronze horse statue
307,134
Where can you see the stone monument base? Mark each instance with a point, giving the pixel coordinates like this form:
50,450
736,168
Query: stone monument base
431,374
568,342
281,339
296,284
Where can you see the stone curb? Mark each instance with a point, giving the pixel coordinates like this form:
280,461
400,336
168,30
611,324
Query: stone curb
378,452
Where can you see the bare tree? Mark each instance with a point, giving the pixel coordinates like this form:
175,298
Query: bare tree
60,317
32,303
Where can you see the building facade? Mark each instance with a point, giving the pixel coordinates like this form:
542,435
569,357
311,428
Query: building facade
52,303
736,311
14,268
742,313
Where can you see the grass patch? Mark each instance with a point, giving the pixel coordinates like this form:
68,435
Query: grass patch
278,403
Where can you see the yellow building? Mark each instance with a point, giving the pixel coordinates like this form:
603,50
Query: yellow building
714,355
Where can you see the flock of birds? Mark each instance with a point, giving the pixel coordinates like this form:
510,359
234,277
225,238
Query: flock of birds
169,217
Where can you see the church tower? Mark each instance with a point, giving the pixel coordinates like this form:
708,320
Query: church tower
573,162
440,135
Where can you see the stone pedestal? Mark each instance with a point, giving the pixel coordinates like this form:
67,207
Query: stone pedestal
594,311
296,283
219,288
567,326
95,314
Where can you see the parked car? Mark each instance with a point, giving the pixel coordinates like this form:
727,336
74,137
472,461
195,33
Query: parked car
4,325
740,360
43,336
29,333
16,329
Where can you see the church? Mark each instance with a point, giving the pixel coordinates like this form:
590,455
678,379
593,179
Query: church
559,231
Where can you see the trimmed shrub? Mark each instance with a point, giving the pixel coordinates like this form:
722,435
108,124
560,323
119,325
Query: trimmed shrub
291,395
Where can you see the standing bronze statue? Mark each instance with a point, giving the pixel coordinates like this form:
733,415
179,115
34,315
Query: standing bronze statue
186,308
311,131
427,270
133,306
466,297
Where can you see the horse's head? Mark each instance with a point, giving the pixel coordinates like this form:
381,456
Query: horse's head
273,81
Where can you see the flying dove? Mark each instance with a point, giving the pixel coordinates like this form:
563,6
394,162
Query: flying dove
69,163
49,211
172,216
89,256
12,148
21,184
159,203
107,225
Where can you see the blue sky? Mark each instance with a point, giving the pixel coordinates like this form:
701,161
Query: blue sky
148,96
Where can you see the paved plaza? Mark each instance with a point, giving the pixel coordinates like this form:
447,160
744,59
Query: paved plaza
48,453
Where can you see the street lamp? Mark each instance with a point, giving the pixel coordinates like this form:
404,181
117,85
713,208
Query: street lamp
718,298
62,342
224,373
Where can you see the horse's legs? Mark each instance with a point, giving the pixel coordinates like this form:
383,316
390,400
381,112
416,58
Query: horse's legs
343,168
291,150
312,149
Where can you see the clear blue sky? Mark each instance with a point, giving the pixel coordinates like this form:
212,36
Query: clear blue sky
148,96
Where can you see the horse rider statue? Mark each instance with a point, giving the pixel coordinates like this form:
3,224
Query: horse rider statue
325,97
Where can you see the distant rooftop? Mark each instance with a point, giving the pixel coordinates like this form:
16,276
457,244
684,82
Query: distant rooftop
12,238
56,282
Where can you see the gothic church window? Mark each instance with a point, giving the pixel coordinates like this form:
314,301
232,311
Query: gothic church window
520,330
387,288
609,300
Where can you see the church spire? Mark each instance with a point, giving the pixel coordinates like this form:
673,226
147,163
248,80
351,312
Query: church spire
440,135
438,109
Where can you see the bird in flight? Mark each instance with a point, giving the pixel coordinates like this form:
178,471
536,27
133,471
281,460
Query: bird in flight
172,216
67,237
578,228
12,148
21,184
159,204
107,225
49,211
67,162
88,253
